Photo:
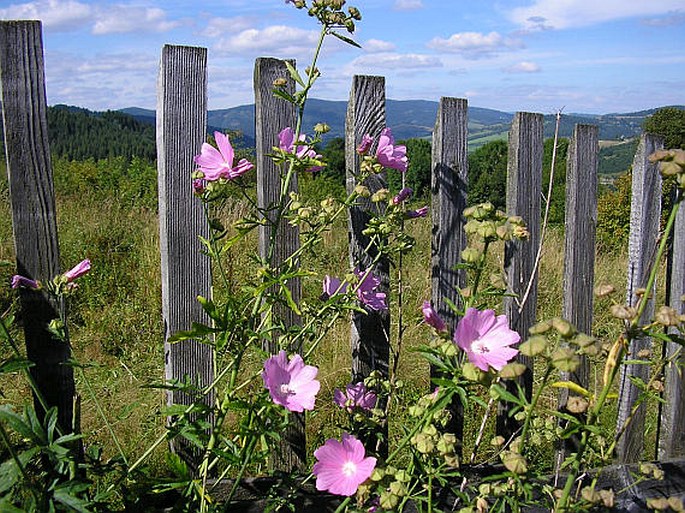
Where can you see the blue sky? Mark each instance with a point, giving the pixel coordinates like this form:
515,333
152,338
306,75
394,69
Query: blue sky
596,56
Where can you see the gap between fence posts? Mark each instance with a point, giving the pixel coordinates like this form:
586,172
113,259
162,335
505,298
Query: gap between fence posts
449,181
277,238
370,332
645,214
29,171
579,253
671,439
186,270
524,190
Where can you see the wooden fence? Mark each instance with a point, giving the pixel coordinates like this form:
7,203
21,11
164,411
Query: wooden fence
181,122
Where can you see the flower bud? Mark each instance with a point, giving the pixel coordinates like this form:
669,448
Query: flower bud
322,128
280,82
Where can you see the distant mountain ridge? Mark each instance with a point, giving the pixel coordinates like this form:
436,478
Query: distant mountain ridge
416,118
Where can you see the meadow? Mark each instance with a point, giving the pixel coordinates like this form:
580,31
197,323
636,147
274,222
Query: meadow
107,212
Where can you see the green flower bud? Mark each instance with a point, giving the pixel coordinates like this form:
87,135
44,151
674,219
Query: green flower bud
565,359
534,346
512,370
514,462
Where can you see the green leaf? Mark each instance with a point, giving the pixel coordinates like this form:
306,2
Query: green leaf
17,423
10,472
294,73
14,364
345,39
64,496
280,93
6,507
197,332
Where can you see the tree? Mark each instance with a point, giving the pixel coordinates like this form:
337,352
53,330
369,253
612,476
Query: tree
557,207
488,174
418,175
669,122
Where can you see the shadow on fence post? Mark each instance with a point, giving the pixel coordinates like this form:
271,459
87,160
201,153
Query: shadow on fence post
524,184
645,213
277,239
29,170
579,252
370,332
448,187
186,270
671,439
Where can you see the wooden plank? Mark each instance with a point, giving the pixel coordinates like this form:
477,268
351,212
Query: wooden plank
645,212
449,182
24,111
369,334
671,439
579,250
524,184
366,115
277,239
186,271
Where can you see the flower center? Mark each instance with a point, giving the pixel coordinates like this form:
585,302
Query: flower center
479,347
286,390
349,468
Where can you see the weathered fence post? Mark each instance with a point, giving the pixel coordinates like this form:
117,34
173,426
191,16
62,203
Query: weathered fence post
29,170
186,271
671,439
370,332
645,212
277,239
579,253
448,188
524,184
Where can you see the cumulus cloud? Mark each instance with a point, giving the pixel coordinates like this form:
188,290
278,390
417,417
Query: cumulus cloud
474,45
408,5
523,67
396,61
669,20
279,39
56,15
376,45
217,27
127,18
544,14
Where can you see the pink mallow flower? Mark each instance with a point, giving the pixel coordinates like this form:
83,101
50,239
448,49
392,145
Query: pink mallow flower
291,384
19,281
78,270
367,293
355,396
215,164
332,286
402,196
342,466
389,155
365,144
431,317
419,212
486,339
286,142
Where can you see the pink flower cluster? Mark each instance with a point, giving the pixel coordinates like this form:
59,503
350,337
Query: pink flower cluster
19,281
367,292
355,396
387,153
286,142
485,338
218,163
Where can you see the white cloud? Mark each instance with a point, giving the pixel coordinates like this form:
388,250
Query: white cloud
55,14
127,18
408,5
544,14
217,27
523,67
279,39
474,45
669,20
396,61
376,45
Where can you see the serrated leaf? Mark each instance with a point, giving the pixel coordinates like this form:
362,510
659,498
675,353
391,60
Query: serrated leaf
345,39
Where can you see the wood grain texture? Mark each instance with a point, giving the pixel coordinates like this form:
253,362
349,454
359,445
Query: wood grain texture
645,212
277,239
24,111
449,183
524,184
671,436
186,271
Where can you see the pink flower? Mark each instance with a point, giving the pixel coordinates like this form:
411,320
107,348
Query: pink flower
486,339
332,286
419,212
22,281
402,196
355,396
79,270
286,142
216,164
389,155
291,384
367,293
365,144
342,466
199,186
431,317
